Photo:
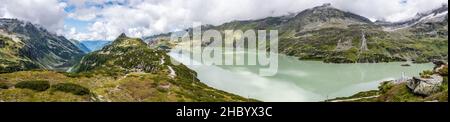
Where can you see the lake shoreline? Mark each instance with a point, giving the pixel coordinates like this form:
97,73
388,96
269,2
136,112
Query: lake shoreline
301,80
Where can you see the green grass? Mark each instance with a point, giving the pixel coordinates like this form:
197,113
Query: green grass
426,74
359,95
400,93
77,75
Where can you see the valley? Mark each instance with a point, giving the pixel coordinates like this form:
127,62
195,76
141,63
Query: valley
125,71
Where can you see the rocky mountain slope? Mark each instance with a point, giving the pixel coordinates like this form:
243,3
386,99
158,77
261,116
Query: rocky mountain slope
10,59
332,35
31,43
80,45
434,20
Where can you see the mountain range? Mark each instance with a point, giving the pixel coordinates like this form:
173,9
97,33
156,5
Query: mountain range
335,36
94,45
80,45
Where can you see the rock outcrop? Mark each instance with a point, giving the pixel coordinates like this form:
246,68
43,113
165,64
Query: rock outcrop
425,86
438,66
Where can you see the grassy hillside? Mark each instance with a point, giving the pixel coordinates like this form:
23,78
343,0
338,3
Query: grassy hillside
133,87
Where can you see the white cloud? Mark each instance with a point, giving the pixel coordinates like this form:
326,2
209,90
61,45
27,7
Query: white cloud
86,14
49,13
390,10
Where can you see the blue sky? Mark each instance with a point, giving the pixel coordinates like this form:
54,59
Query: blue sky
79,24
106,19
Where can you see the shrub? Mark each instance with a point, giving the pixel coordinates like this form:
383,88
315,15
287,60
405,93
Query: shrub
4,85
444,85
37,85
426,74
71,88
385,87
78,75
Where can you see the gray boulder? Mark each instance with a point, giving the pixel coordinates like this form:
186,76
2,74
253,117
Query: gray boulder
425,86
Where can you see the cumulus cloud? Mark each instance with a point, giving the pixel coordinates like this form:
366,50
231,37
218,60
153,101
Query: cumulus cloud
138,18
84,14
48,13
389,10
